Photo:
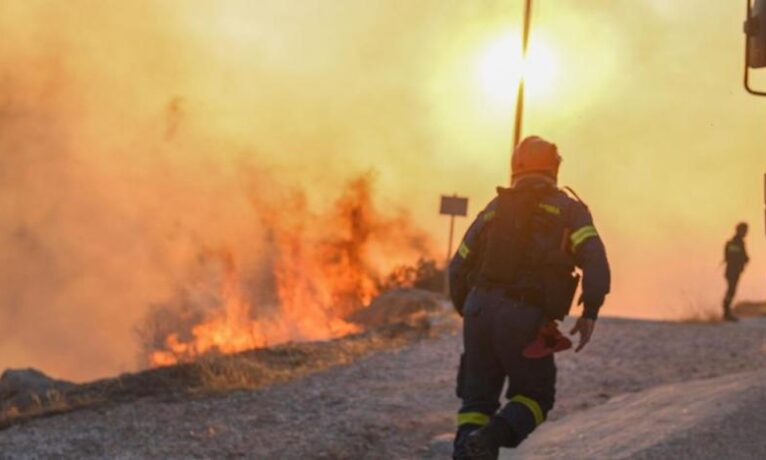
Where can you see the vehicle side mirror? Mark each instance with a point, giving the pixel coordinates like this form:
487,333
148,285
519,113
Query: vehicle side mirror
755,41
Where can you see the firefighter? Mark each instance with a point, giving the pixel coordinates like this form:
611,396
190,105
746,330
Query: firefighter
736,258
512,276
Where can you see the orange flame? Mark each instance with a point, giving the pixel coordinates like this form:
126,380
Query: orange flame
317,281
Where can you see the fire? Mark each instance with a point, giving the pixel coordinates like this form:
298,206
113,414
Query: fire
320,271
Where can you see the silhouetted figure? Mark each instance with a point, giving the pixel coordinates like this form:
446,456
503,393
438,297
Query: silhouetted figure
736,258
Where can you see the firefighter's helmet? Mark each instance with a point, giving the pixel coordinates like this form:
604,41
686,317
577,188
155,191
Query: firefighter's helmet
535,155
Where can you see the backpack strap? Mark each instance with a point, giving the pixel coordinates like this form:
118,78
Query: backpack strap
574,195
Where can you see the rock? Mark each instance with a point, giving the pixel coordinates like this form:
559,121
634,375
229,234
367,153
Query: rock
22,389
440,446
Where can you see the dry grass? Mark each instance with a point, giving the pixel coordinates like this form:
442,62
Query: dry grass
701,317
750,309
213,375
700,313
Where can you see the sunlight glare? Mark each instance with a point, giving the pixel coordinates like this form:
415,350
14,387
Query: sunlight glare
501,66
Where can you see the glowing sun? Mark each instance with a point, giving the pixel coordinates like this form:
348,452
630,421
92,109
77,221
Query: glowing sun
501,66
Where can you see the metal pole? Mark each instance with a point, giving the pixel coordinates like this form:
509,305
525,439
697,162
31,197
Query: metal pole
451,234
449,254
520,91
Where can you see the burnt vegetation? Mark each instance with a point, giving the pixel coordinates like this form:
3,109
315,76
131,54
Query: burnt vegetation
211,375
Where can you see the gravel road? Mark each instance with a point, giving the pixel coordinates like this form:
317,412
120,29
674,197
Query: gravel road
391,404
716,418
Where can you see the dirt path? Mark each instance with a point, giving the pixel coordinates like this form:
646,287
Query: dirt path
387,405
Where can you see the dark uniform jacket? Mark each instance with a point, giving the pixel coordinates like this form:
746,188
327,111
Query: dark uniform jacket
584,244
735,256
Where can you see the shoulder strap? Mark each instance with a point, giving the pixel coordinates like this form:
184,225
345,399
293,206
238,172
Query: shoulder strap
574,195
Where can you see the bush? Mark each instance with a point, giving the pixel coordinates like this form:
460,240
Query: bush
425,274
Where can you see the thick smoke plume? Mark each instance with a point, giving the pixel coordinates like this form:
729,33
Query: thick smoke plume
178,171
158,156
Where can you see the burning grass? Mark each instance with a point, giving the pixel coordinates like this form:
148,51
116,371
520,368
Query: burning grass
310,273
216,375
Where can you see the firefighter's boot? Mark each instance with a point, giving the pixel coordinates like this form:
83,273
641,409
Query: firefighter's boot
481,446
484,443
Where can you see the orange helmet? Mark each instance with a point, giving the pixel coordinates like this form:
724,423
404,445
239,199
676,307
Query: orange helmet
535,155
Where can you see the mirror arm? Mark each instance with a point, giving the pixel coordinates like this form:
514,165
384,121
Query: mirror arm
751,28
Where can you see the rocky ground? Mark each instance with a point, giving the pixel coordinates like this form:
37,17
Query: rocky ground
394,403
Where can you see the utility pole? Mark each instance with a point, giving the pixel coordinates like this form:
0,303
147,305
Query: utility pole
520,91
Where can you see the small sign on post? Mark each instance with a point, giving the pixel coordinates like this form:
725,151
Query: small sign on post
454,206
451,206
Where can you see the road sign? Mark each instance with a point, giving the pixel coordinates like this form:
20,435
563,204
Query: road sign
451,206
454,206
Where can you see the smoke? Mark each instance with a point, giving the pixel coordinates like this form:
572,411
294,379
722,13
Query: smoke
153,153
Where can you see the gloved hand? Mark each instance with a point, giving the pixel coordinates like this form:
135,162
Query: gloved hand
590,305
585,327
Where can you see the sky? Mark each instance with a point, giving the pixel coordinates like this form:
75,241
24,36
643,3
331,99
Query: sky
132,133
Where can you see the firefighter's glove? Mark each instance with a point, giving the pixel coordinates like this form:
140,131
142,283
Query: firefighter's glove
584,326
549,340
590,305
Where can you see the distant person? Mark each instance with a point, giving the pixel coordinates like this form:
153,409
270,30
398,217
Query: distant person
736,258
512,276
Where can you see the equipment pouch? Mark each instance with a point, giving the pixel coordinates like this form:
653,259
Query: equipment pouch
560,288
